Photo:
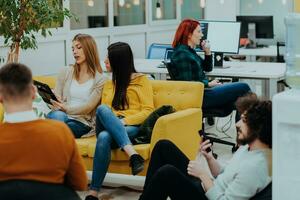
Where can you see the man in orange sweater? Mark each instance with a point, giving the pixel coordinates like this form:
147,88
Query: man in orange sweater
38,158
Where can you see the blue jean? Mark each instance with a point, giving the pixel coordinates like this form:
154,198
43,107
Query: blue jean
224,95
110,130
78,128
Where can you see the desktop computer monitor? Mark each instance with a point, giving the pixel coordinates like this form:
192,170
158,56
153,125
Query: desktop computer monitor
223,36
97,21
263,26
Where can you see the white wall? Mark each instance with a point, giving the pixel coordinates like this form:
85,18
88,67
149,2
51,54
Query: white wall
55,52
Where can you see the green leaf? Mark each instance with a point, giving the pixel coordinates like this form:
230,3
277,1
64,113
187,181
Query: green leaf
21,20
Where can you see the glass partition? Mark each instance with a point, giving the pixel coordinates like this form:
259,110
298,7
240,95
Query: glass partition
163,9
90,13
129,12
191,9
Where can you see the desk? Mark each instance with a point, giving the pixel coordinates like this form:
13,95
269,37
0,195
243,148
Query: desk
270,51
270,73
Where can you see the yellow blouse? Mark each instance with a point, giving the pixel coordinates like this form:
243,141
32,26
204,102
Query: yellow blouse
140,99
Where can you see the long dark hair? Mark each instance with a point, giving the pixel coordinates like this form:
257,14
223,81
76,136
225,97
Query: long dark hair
121,62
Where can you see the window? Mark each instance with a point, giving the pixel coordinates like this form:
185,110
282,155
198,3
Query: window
163,9
191,9
90,13
129,12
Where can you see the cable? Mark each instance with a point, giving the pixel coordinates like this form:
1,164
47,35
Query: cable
225,128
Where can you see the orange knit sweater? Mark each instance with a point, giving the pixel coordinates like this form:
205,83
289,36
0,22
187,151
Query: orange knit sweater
40,150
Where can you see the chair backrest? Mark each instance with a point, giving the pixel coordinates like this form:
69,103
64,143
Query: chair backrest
34,190
157,51
279,57
171,70
179,94
265,194
168,54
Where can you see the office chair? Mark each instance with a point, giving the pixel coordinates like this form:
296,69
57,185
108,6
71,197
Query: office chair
208,113
279,58
217,112
265,194
157,51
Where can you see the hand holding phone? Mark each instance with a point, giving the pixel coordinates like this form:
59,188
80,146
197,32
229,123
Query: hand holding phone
204,44
204,137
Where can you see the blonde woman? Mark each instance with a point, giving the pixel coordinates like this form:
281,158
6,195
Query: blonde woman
79,88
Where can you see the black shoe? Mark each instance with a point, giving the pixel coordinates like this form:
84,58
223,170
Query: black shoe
91,197
136,164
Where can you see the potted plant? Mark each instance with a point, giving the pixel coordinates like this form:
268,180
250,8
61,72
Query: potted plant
20,20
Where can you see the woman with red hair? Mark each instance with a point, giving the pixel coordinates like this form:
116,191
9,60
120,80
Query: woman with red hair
188,66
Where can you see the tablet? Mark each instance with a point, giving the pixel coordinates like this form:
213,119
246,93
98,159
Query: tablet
45,91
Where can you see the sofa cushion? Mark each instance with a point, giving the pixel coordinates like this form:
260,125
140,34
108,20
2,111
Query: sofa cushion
49,80
86,147
83,144
1,113
179,94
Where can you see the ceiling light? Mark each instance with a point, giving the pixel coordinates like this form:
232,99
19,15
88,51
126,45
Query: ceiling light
136,2
90,3
260,1
128,5
202,3
158,10
284,2
222,1
121,3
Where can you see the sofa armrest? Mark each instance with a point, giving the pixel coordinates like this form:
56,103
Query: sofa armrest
1,113
181,128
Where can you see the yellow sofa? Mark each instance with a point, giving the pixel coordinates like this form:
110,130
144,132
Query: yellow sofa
1,112
180,127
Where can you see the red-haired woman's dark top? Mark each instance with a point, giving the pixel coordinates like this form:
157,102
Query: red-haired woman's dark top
189,66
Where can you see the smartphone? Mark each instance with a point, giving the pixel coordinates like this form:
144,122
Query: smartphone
200,47
203,135
224,80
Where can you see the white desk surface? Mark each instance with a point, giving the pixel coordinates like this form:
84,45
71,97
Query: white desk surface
251,70
261,70
147,66
265,51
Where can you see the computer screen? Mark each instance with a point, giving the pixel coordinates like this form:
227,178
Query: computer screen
168,54
263,26
223,36
97,21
